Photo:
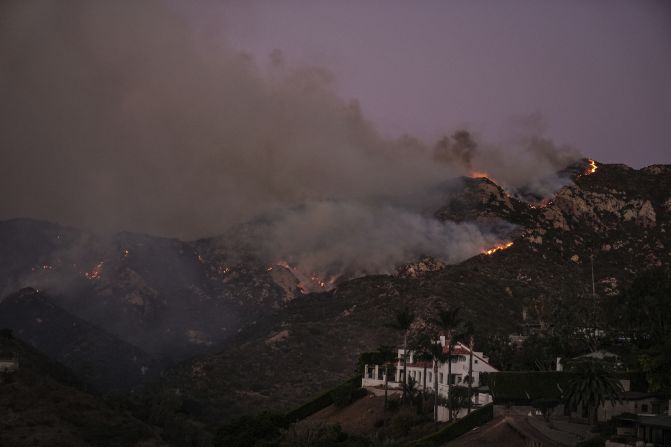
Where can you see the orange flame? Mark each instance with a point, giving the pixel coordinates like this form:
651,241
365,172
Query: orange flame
591,169
499,247
307,282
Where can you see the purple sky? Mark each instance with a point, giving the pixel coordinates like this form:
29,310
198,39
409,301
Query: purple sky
598,72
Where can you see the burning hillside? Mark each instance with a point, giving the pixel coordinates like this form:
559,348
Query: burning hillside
498,247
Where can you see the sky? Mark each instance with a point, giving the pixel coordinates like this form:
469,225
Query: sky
597,73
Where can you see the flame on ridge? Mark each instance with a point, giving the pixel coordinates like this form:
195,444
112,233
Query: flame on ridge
306,282
591,169
499,247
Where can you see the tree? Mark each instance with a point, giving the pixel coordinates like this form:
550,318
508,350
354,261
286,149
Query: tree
438,357
460,398
591,386
449,321
656,364
644,310
402,322
469,331
385,353
421,346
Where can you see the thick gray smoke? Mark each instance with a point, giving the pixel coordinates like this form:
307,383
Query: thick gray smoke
121,115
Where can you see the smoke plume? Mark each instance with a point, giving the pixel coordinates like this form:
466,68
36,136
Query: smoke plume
123,115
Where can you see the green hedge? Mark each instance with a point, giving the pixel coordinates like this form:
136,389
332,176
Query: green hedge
478,417
323,401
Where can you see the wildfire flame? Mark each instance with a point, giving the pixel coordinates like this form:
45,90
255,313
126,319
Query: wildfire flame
591,168
307,282
499,247
96,272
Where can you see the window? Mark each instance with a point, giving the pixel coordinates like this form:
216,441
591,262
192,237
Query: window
419,376
458,379
475,361
644,408
441,377
429,377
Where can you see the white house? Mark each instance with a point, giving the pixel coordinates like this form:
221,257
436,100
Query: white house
422,372
9,364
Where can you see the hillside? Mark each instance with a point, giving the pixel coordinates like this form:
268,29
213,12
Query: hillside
617,215
262,341
41,405
97,357
159,294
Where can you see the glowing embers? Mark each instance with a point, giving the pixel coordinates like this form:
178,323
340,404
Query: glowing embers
96,272
542,204
499,247
307,282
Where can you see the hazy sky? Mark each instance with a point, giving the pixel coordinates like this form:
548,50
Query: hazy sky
599,72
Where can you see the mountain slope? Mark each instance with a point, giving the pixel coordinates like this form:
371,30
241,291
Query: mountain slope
159,294
41,405
618,216
97,357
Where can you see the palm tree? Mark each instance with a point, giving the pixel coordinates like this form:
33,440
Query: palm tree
385,353
402,322
438,357
448,320
469,331
421,346
591,386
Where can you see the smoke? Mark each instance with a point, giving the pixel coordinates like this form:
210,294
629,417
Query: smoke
334,238
122,115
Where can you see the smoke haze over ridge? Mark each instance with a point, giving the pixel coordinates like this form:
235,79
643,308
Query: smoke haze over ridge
120,115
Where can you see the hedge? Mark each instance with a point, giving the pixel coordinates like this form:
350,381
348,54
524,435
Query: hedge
324,400
457,428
